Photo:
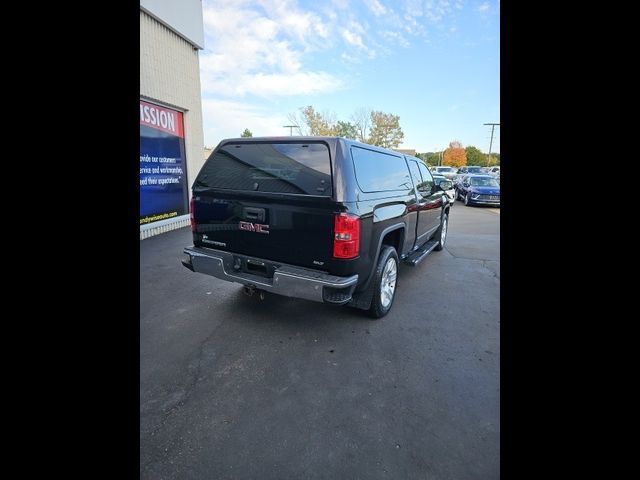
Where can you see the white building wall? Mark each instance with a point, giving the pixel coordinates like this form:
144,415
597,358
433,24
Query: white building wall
170,76
182,16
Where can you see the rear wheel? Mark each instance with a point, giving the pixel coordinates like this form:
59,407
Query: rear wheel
384,282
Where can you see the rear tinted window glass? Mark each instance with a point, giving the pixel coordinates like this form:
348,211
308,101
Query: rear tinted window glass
296,168
380,172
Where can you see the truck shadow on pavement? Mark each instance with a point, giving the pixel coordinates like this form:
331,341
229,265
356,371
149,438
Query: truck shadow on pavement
288,310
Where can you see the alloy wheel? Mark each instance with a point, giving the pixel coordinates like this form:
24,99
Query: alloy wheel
388,282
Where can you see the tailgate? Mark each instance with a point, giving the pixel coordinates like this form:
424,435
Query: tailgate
286,230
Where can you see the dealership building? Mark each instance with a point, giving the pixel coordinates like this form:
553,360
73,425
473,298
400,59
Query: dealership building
171,135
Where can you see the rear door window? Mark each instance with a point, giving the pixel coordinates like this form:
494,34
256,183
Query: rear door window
380,172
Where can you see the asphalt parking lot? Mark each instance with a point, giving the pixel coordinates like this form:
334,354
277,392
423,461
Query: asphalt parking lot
233,387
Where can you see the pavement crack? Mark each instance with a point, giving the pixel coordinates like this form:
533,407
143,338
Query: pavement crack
484,265
469,258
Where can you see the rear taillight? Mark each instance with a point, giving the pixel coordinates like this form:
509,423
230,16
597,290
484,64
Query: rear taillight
192,213
346,235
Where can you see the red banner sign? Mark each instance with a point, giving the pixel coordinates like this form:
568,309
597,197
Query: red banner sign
162,118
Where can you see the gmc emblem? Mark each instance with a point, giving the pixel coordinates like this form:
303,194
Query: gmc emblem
254,227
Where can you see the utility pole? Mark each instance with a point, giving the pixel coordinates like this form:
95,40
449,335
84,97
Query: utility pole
493,125
290,127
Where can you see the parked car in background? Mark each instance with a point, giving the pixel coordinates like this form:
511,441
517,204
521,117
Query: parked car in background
478,190
495,171
446,171
466,170
451,193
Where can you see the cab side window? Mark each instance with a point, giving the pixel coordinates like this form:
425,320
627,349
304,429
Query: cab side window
426,187
415,172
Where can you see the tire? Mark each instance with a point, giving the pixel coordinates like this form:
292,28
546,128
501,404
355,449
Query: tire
387,262
466,200
441,234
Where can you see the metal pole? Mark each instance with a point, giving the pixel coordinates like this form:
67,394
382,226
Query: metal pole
491,143
493,125
290,127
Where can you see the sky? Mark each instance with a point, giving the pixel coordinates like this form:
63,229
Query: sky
435,63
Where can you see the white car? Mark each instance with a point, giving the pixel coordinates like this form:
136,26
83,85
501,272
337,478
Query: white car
446,171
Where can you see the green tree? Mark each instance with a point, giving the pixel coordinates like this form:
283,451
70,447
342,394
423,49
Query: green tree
430,158
368,126
385,130
494,159
346,130
475,156
246,133
313,123
434,158
361,119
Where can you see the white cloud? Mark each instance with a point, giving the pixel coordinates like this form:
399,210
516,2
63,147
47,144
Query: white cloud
376,7
259,48
273,84
413,8
395,37
298,83
349,58
412,26
484,7
353,35
436,10
236,117
340,4
353,39
357,27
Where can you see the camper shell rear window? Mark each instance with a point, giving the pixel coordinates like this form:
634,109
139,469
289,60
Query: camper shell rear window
292,168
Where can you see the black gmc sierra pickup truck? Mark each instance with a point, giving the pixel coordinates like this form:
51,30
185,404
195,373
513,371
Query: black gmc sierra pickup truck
320,218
